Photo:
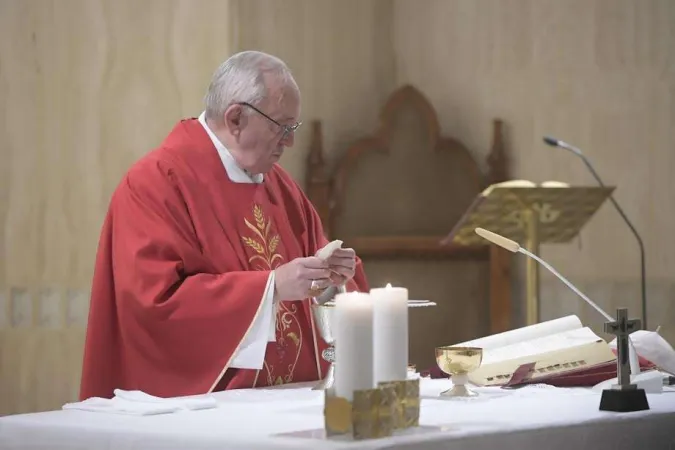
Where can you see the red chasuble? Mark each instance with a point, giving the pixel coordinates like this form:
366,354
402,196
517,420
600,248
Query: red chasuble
182,265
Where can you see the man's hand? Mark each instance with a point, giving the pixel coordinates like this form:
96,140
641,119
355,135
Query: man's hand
342,264
302,278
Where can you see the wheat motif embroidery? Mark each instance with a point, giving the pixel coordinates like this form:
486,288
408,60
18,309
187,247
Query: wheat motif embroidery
266,257
262,243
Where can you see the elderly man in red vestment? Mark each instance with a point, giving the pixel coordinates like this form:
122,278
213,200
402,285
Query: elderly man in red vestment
207,257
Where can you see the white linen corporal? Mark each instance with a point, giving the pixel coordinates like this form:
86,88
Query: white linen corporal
138,403
653,347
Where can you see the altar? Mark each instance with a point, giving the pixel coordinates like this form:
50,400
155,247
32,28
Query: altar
291,417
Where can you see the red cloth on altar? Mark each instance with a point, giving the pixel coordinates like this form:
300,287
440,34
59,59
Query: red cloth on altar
181,268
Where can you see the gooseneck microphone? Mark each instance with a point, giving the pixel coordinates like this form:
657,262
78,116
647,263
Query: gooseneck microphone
514,247
553,142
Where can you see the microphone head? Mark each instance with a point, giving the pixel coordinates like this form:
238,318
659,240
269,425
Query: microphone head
553,142
503,242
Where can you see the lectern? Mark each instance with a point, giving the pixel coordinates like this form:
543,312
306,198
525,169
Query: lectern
531,215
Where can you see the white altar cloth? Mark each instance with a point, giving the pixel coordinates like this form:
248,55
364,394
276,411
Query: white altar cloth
291,417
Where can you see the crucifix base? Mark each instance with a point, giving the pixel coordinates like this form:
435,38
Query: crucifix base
624,400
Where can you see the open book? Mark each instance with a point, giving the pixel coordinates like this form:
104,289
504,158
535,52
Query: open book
541,353
523,184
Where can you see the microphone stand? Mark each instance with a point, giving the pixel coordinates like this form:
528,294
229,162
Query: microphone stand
643,273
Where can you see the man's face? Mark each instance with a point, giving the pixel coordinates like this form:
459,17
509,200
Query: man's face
261,140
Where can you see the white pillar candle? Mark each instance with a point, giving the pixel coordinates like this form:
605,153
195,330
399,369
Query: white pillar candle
390,333
353,330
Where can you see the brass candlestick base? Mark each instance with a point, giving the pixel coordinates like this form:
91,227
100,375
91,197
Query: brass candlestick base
323,315
406,412
458,362
374,413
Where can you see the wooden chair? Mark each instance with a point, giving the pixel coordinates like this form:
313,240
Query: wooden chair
393,196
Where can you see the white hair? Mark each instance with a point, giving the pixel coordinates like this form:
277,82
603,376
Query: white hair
241,78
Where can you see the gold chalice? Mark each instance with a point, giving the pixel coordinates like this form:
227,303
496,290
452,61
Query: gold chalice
458,362
323,316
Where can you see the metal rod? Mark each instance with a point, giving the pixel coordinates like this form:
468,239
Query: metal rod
533,257
532,268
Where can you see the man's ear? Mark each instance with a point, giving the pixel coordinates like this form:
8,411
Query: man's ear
234,119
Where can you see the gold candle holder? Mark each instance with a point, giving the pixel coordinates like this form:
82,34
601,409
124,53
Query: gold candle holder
374,413
407,404
411,404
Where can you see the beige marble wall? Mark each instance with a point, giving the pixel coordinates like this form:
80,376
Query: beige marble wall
87,86
342,57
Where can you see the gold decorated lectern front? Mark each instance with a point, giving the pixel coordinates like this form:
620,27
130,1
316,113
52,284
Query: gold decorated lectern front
530,215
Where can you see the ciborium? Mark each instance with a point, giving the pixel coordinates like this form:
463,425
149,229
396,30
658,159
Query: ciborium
323,316
458,362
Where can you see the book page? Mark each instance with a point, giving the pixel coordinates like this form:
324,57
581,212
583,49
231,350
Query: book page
560,362
508,184
523,184
525,334
555,184
541,345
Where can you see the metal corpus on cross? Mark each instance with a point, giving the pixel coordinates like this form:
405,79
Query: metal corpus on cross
622,327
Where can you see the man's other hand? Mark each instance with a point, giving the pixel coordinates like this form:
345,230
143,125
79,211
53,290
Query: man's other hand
342,264
302,278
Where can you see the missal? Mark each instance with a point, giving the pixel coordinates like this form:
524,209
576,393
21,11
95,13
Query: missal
558,352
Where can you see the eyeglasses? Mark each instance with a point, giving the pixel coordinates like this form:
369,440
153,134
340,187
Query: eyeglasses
287,129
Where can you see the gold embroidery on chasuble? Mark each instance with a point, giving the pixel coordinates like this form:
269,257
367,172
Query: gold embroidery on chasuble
264,244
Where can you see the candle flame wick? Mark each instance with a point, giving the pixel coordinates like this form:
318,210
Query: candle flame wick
388,285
